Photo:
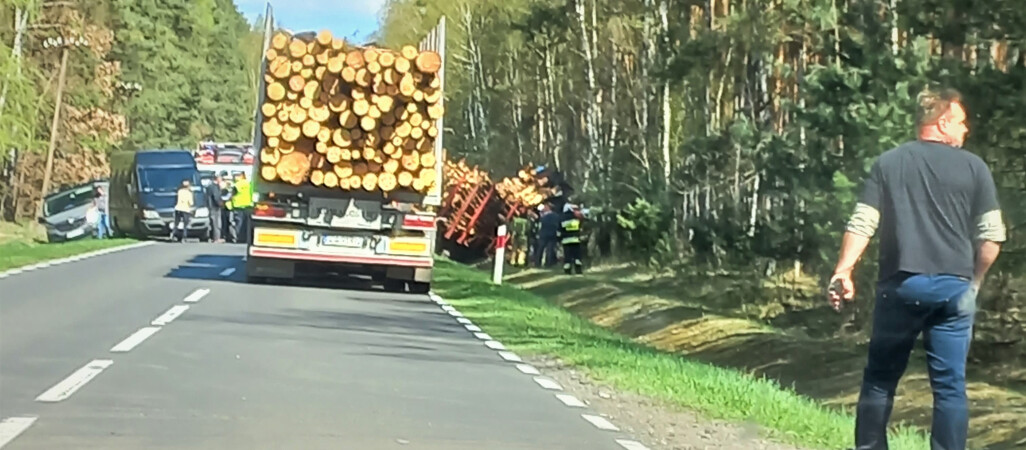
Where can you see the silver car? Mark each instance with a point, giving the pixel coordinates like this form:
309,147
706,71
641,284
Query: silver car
64,212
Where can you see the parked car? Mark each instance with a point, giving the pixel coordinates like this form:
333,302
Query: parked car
64,212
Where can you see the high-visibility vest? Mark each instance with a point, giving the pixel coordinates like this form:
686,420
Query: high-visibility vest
243,195
570,230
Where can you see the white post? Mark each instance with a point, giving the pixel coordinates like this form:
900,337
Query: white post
500,255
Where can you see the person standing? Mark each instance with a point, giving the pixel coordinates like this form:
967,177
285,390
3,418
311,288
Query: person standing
102,204
570,237
215,202
183,211
548,237
242,207
935,208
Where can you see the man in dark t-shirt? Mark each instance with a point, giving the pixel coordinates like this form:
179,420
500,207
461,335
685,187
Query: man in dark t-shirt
935,209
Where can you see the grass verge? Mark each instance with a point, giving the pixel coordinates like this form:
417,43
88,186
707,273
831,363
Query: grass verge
20,253
529,324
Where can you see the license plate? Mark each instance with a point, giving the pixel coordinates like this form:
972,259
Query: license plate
75,233
343,241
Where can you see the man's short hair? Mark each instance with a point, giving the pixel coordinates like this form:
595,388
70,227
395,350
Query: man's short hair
933,102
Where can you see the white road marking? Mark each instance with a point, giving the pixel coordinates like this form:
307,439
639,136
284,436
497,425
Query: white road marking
170,315
455,314
510,356
135,339
75,381
600,422
196,295
495,345
631,445
45,265
15,271
448,308
464,321
571,401
11,427
548,383
528,369
482,336
227,272
473,328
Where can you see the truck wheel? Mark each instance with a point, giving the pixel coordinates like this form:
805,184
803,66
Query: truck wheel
393,285
419,288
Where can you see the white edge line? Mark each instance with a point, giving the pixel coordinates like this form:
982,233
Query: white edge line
510,356
631,445
482,336
548,384
571,401
170,315
227,272
600,422
464,321
495,345
196,295
75,381
11,427
528,369
135,339
473,328
72,258
455,313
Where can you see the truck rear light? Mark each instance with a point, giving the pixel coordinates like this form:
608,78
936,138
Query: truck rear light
418,222
268,210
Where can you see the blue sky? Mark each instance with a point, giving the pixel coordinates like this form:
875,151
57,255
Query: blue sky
355,19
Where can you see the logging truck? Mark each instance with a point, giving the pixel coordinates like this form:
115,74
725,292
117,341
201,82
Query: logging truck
348,174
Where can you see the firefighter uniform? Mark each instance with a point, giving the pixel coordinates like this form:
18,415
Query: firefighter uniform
570,237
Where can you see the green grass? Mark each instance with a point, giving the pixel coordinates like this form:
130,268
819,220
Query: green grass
19,253
530,325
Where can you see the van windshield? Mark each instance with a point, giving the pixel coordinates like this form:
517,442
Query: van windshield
166,179
68,200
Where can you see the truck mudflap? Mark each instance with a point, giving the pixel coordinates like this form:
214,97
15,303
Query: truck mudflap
307,255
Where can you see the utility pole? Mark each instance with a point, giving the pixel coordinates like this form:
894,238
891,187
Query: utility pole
64,44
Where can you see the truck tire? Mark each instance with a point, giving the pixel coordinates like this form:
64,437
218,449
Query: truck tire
393,285
419,288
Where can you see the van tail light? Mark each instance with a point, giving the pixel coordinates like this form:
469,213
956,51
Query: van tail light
268,210
418,222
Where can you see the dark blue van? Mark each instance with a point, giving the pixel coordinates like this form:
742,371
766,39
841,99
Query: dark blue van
144,189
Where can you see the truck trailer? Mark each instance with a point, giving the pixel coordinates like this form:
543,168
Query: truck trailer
325,222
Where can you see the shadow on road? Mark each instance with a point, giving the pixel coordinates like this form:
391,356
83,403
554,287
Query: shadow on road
211,266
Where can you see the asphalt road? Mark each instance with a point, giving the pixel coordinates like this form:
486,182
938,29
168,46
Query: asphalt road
103,353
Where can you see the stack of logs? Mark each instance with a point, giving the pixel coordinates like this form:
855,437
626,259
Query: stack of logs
474,206
350,118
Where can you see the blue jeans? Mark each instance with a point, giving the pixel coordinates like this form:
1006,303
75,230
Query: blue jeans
942,307
103,227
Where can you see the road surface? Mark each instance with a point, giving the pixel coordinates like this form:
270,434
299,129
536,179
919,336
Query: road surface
165,346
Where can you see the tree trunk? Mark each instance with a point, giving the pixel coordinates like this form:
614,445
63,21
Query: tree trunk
590,106
667,111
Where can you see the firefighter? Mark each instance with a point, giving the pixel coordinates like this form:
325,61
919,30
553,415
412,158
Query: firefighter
570,237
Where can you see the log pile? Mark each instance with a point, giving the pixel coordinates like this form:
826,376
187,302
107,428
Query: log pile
350,118
474,205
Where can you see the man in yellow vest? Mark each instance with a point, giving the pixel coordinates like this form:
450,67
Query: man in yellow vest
242,207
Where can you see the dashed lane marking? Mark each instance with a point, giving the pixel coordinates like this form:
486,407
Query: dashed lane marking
135,339
495,345
482,336
549,384
631,445
528,369
600,422
510,356
196,296
571,401
170,315
11,427
464,321
473,328
75,381
227,272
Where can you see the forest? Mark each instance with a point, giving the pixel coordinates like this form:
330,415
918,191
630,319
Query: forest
728,134
139,74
